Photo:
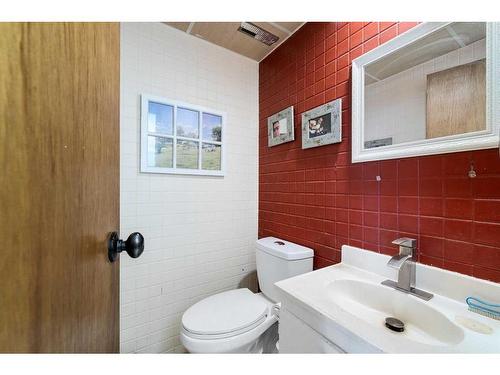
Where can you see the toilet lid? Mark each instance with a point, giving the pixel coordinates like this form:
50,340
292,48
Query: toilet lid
235,311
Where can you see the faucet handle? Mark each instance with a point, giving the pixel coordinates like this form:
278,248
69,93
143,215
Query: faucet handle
406,242
406,245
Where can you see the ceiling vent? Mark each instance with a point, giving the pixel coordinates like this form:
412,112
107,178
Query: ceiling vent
256,32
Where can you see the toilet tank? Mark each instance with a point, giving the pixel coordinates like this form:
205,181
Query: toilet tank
278,260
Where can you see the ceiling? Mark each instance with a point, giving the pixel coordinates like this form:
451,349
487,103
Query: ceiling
226,34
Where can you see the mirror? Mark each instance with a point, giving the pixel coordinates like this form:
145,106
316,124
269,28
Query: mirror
430,90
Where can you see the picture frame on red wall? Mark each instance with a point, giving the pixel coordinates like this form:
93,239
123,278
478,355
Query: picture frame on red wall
322,125
280,127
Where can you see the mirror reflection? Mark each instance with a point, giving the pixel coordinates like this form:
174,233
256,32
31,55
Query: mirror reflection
433,87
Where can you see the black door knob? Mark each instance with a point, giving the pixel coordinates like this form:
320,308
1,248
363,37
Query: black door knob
134,245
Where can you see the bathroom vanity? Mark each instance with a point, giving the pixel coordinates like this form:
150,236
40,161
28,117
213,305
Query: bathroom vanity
343,309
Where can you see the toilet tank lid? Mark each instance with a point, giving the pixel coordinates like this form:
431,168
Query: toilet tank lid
284,249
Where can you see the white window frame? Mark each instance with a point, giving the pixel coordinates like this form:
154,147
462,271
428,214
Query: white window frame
145,100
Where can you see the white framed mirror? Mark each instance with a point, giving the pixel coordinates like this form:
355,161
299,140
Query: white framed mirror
432,90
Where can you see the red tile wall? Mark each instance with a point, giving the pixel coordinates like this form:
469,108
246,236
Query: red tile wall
317,198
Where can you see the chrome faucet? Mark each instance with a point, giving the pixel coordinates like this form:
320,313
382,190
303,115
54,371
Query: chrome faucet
405,263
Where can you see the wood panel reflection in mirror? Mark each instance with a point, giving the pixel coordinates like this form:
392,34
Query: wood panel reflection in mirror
456,100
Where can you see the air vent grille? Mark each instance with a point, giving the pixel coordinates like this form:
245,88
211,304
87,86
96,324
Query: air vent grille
258,33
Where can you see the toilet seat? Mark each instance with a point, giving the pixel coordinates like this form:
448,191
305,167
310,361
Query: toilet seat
242,331
224,315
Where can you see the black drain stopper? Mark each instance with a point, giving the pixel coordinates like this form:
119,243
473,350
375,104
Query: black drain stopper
394,324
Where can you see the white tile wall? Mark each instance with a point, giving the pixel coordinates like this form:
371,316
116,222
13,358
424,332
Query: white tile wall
395,106
199,231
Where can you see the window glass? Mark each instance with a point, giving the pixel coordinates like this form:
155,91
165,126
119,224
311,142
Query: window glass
160,152
211,157
187,123
160,118
212,127
187,154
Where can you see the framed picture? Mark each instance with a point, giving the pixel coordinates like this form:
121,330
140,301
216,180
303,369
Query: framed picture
322,125
280,127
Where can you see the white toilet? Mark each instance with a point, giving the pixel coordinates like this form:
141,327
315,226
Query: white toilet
239,321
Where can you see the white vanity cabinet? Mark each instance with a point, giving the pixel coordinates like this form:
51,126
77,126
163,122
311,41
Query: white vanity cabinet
297,337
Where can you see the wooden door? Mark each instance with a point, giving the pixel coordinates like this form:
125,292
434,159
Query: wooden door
59,186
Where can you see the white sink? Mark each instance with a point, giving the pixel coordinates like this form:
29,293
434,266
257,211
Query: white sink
347,306
373,303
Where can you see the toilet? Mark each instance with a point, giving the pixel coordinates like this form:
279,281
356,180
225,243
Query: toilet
239,321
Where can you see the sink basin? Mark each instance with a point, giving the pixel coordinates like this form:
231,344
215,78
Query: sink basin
347,306
373,303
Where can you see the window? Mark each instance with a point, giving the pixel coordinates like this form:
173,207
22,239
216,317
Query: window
181,138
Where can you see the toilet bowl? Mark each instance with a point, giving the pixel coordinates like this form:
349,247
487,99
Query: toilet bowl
239,321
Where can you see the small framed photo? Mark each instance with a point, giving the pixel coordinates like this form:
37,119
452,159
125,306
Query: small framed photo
322,125
280,127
